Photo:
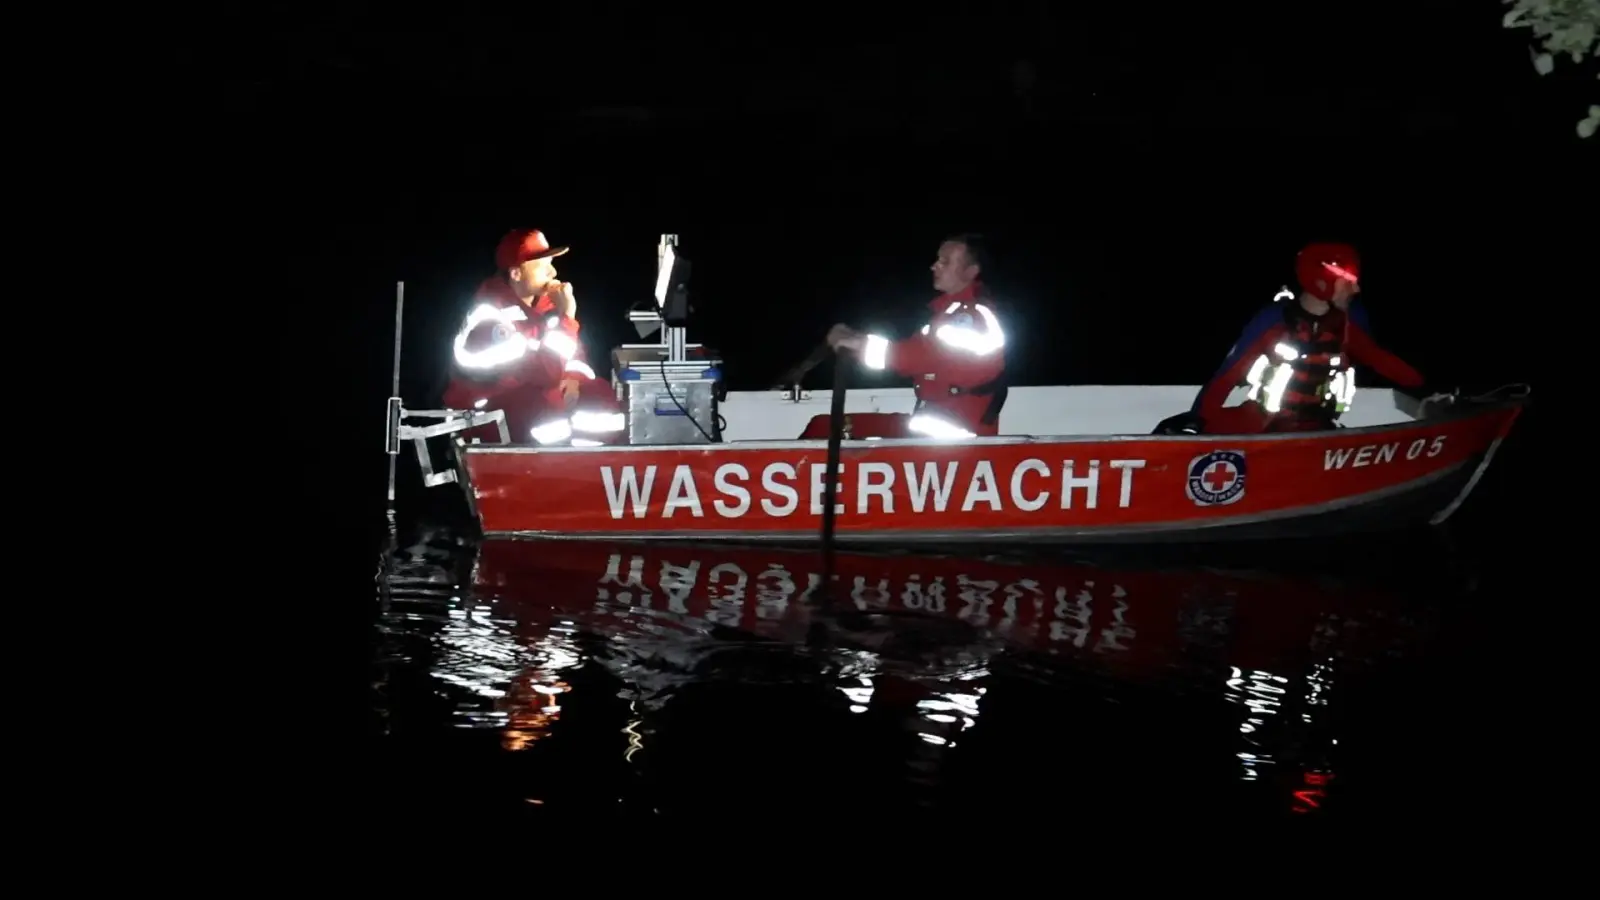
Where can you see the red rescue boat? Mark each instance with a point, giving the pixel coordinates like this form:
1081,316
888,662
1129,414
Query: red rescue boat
1073,464
1070,488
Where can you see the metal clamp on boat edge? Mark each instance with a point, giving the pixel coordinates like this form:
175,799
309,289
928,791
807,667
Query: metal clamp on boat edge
397,431
453,421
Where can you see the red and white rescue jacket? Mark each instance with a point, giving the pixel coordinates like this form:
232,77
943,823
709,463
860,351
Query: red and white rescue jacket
520,359
957,364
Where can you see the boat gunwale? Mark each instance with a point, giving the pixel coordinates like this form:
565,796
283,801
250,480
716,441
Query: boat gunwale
1453,415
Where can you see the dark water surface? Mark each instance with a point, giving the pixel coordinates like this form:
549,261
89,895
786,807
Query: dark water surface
577,682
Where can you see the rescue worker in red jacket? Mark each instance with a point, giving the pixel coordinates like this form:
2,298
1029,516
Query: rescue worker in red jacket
957,361
514,350
497,363
1298,355
581,407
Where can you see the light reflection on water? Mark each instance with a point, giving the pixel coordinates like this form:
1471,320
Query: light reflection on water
948,714
509,665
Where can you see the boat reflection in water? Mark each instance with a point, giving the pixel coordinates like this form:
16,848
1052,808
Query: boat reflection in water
933,645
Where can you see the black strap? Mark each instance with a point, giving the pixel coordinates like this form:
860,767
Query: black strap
996,389
991,413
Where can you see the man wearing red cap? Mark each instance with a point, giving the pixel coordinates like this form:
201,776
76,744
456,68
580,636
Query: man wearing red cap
532,354
1298,355
525,260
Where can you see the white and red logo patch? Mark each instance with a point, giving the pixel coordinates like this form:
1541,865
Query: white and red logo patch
1216,478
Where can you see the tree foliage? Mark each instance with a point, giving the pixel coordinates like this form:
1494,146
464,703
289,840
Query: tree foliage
1563,28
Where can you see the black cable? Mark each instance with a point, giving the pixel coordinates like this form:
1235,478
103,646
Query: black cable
679,403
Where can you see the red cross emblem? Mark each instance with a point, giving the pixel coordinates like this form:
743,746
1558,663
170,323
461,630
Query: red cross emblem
1216,477
1219,476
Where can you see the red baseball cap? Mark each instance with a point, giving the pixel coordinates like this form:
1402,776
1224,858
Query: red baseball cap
523,245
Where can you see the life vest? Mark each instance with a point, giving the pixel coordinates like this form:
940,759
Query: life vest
972,326
957,365
1308,372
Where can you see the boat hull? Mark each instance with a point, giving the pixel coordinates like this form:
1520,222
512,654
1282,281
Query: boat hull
996,490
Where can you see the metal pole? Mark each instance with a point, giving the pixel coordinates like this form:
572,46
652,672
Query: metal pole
392,447
841,380
399,317
393,441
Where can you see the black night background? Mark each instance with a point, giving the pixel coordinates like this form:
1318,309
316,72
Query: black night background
1145,175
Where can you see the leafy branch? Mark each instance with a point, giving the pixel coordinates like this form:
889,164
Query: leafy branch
1563,27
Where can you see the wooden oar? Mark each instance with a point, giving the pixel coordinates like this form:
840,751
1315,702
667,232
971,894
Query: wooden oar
794,375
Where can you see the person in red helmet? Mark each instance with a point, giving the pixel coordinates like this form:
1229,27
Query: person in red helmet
957,359
1298,355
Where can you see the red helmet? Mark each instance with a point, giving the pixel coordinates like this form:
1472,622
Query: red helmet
1320,267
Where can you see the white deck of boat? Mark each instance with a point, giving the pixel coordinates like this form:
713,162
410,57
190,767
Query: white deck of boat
1038,411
